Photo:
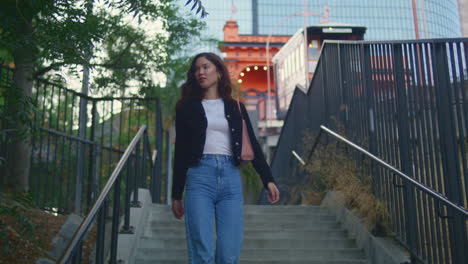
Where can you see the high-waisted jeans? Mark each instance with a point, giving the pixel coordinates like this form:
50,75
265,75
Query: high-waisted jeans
214,192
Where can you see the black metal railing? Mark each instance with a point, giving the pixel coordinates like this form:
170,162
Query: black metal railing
79,142
136,157
407,103
107,120
456,211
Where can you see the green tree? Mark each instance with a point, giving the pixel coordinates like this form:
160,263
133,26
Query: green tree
45,35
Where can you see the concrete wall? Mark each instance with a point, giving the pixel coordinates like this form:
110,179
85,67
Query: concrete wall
379,250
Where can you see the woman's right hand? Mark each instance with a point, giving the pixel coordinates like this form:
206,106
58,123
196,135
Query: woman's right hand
178,208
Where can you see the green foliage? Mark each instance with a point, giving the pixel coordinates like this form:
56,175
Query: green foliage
67,33
5,55
198,4
16,113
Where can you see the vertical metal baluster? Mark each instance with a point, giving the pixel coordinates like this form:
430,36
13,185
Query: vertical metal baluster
91,186
70,169
136,177
55,175
62,165
144,159
157,168
112,149
47,194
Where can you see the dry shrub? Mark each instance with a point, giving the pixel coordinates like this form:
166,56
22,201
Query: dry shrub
332,167
27,232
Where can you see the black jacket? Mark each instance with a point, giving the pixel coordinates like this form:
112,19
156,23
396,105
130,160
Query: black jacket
191,124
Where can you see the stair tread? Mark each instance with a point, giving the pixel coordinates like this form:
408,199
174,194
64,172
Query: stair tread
272,235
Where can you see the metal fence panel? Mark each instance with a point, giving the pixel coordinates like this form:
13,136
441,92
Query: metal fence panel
407,103
69,164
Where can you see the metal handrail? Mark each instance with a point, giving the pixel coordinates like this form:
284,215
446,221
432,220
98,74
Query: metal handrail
86,223
416,183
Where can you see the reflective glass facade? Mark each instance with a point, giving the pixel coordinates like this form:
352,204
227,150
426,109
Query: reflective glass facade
221,11
384,19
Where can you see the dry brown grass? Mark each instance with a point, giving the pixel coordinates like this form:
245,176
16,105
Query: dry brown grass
332,168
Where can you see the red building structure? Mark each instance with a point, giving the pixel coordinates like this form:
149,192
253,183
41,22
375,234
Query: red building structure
245,57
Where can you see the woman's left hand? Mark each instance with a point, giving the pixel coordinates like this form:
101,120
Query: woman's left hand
273,193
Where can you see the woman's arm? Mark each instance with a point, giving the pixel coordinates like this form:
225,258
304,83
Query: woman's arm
180,167
260,164
259,161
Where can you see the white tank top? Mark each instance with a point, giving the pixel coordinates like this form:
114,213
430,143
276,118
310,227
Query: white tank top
218,137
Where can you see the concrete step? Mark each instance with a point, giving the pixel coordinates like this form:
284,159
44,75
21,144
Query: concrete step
263,254
260,261
259,225
254,212
319,233
257,243
257,208
299,218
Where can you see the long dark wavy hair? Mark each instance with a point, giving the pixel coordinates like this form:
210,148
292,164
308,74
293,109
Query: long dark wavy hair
191,88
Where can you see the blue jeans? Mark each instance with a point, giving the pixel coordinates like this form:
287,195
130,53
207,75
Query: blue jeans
214,192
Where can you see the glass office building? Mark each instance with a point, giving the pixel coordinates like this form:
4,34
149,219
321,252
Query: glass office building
384,19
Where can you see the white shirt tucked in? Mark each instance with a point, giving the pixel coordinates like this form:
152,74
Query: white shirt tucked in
218,138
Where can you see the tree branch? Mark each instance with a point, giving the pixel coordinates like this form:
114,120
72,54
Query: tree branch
119,56
44,70
116,66
56,65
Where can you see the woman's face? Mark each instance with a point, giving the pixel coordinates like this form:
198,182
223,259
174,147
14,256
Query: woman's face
205,73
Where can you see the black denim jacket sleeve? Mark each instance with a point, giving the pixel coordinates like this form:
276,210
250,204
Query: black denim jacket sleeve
259,162
180,167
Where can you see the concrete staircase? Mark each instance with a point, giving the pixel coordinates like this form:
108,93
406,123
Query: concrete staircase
272,235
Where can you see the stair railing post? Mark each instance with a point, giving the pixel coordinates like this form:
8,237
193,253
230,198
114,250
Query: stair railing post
136,178
144,161
101,231
126,228
115,220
